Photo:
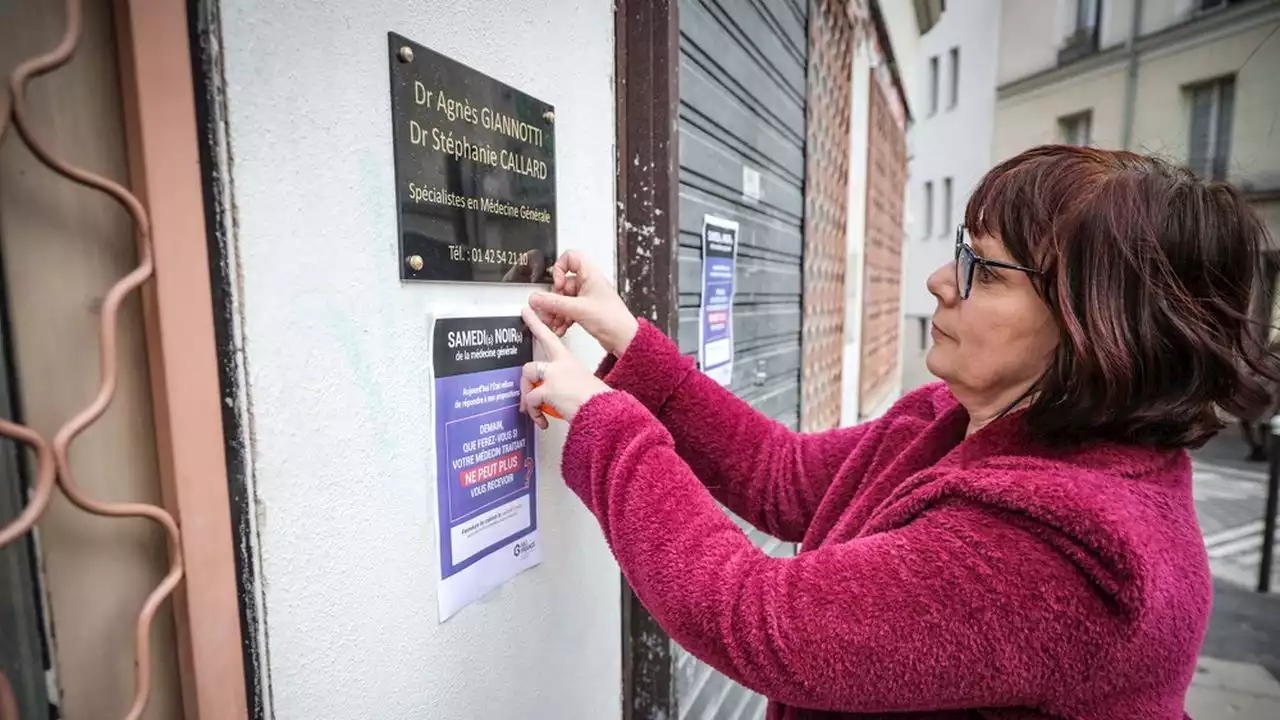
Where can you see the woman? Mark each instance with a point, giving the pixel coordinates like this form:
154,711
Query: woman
1018,541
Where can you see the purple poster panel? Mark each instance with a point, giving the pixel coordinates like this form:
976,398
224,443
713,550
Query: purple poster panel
715,323
486,465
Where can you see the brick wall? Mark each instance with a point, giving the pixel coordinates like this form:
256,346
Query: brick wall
826,196
882,268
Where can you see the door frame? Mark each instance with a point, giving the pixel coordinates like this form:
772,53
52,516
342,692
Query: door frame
158,88
647,47
157,98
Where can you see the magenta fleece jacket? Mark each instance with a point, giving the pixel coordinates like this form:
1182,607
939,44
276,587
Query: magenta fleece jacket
939,577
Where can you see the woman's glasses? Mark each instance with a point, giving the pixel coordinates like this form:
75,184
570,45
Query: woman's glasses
967,260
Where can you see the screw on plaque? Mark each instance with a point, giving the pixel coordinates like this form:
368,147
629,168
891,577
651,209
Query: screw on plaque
415,262
549,116
405,54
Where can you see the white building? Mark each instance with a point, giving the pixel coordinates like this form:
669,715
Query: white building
954,104
1197,81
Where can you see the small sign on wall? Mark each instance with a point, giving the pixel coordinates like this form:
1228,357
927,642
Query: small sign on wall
750,185
486,457
715,322
475,172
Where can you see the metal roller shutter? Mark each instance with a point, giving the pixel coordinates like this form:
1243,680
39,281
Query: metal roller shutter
742,105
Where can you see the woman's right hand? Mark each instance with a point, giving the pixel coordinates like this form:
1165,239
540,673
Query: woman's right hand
586,296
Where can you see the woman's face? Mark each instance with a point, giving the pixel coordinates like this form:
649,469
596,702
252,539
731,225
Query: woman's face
999,340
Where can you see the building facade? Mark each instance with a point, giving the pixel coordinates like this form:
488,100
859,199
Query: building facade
950,150
1196,81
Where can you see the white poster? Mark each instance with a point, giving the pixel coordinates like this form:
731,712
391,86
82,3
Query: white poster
486,457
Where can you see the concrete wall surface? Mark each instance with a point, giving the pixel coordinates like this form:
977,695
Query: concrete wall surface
336,400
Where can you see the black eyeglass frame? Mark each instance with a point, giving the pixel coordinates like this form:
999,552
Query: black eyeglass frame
964,271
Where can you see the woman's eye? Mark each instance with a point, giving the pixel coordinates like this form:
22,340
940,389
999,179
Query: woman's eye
986,274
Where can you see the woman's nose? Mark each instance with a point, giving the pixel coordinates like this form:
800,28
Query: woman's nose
942,284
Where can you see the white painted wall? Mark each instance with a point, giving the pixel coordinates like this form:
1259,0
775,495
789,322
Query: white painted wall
855,234
1115,20
953,143
1160,14
335,351
903,29
1031,118
1030,34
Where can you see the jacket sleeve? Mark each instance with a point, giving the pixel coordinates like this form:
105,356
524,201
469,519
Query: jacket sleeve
763,471
958,609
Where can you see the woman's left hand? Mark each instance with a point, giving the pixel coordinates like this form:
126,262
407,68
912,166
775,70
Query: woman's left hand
565,385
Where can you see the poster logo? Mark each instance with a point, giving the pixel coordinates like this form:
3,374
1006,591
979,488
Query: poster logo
524,547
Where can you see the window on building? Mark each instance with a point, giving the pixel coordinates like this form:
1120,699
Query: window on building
928,209
1080,36
1076,129
953,87
1086,15
946,207
1212,110
933,85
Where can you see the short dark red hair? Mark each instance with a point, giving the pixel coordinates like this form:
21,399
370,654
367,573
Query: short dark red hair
1152,275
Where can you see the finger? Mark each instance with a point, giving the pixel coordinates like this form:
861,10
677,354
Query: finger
548,310
533,406
526,385
548,305
572,286
557,278
529,374
550,343
555,321
572,261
